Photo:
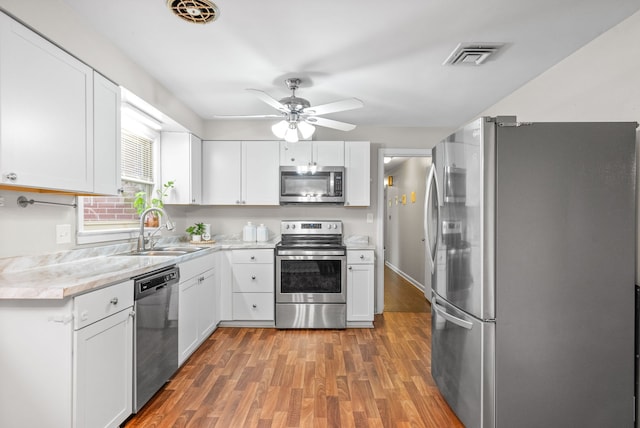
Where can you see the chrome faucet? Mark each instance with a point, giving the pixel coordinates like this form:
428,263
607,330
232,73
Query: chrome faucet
168,224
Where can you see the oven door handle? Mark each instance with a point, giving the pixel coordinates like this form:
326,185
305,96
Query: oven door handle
310,253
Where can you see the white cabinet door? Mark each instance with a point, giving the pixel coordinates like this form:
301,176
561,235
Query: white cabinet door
46,113
360,291
188,314
240,173
357,173
106,136
260,173
328,153
222,172
181,160
104,372
207,300
305,153
295,154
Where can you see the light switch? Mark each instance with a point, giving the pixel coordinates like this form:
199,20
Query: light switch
63,233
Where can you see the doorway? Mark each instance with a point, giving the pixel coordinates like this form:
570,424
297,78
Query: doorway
400,241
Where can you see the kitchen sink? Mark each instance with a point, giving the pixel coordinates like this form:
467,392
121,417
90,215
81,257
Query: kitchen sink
164,251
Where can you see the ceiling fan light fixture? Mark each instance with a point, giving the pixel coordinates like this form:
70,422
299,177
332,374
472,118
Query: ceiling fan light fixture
280,128
306,129
291,135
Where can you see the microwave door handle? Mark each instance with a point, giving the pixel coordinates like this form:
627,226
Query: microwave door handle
455,320
332,184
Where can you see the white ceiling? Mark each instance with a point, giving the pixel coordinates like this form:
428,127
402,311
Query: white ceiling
387,54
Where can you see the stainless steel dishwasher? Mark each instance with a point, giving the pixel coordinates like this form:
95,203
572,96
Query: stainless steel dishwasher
155,350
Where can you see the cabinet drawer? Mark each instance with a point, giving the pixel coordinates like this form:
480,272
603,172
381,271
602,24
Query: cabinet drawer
194,267
253,278
253,306
252,256
99,304
355,257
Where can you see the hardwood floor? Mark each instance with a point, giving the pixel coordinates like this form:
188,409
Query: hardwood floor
252,377
402,296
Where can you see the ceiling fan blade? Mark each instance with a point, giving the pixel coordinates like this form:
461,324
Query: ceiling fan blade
329,123
269,99
343,105
251,116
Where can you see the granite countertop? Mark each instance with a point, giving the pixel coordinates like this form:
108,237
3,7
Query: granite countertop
68,273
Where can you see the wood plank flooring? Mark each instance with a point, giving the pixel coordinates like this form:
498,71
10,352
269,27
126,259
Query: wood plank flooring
402,296
251,377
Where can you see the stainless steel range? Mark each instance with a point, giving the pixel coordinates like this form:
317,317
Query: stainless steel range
311,275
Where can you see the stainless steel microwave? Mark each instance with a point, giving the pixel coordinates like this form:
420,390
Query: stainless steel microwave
311,184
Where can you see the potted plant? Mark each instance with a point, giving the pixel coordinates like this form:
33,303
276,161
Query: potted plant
140,203
195,231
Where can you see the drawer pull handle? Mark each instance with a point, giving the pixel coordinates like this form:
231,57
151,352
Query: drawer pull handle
114,301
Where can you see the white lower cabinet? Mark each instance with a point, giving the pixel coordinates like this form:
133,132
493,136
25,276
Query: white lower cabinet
360,287
67,362
103,371
198,304
252,285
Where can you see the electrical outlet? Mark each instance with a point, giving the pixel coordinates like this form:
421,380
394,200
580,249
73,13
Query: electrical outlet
369,218
63,233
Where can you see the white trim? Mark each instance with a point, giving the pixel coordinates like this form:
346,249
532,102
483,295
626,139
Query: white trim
379,304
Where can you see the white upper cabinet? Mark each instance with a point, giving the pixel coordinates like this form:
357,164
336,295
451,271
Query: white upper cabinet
240,173
46,113
305,153
106,136
181,160
357,173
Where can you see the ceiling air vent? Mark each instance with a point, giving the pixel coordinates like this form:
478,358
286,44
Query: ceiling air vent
472,53
195,11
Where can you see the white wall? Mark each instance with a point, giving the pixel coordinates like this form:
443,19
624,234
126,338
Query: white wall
600,82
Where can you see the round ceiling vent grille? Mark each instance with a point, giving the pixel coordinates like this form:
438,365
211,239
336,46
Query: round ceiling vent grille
196,11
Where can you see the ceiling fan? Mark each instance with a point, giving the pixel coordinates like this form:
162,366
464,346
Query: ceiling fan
299,117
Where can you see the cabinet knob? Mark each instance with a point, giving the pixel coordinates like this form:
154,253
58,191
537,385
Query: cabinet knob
84,316
12,176
132,314
293,159
361,256
254,306
193,200
253,277
350,267
114,301
238,202
253,257
121,190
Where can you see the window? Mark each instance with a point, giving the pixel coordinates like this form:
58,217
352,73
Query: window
103,218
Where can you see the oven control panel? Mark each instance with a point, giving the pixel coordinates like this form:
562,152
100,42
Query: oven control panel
307,227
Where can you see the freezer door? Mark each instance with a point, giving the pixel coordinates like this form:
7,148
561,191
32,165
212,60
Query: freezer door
462,363
463,255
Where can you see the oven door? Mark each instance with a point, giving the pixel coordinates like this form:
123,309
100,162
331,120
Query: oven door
311,276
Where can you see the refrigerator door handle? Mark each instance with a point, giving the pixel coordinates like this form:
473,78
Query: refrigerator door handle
432,183
457,321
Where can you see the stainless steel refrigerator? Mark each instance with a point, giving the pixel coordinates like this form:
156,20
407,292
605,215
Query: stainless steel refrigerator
531,244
